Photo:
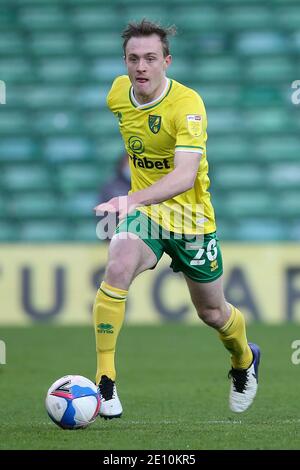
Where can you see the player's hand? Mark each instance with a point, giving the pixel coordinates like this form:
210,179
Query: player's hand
123,205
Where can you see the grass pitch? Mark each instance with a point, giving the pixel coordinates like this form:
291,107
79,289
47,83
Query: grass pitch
172,383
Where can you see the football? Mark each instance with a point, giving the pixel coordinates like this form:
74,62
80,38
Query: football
73,402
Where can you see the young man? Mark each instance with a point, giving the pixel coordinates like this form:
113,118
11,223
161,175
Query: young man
163,125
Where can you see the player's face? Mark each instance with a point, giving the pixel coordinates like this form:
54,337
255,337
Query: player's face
146,66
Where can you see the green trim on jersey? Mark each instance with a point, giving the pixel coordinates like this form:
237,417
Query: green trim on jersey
199,258
189,147
156,104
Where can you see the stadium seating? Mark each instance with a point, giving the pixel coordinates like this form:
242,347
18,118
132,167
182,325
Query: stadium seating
9,231
59,143
25,177
36,205
51,230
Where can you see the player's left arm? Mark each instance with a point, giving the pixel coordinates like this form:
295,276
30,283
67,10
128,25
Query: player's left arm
179,180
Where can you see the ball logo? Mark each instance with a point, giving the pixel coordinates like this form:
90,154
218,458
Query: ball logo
64,387
136,144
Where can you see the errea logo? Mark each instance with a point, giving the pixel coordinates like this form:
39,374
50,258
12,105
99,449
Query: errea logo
105,328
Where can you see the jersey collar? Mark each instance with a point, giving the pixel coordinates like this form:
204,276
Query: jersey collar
153,103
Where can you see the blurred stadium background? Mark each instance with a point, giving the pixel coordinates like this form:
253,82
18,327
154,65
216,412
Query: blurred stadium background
59,145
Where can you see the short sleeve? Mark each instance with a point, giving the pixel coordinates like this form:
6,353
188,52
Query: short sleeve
116,92
111,94
190,124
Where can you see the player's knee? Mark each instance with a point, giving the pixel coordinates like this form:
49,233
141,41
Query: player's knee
213,317
119,272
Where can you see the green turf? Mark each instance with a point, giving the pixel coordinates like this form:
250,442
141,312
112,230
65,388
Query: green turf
172,382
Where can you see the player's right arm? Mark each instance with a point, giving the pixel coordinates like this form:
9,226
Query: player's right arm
176,182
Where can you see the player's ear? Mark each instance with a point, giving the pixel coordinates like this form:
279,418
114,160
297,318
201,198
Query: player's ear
168,61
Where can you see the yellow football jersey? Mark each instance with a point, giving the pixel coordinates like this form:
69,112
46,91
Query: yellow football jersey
152,133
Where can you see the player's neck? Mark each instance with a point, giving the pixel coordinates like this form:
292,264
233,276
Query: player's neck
148,99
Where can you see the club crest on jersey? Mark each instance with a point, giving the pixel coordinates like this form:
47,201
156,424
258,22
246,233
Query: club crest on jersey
194,124
154,123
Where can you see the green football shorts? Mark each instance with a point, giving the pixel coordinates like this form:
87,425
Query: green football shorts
199,258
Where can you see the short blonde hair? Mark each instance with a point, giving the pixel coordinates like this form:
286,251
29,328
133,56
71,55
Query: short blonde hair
147,28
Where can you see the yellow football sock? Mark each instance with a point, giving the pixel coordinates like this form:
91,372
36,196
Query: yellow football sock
233,336
108,316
